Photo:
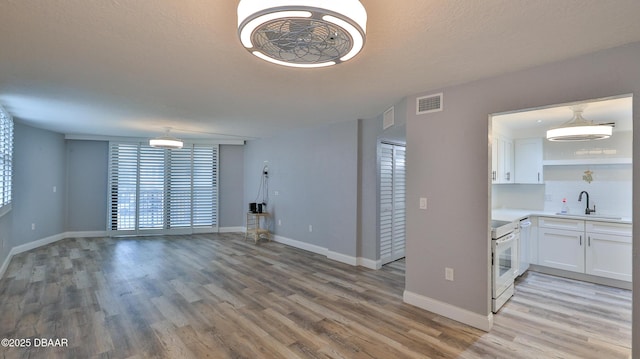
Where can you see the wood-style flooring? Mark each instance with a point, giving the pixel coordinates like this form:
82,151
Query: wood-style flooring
218,296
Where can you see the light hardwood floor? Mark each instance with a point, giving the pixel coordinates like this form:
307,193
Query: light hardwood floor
218,296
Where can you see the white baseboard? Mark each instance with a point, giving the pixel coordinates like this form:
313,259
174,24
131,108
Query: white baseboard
369,263
339,257
450,311
343,258
301,245
231,229
86,234
35,244
5,264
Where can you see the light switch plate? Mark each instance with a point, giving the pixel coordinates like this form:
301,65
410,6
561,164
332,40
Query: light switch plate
448,274
423,203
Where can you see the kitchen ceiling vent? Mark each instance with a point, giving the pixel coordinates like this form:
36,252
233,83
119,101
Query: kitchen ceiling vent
388,119
428,104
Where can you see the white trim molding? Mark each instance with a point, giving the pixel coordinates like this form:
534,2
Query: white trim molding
369,263
231,229
343,258
301,245
338,257
464,316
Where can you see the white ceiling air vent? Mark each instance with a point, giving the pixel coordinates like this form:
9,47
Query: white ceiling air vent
388,118
427,104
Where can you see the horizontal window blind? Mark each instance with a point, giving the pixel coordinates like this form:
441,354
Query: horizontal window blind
6,159
151,174
123,181
205,186
154,189
179,204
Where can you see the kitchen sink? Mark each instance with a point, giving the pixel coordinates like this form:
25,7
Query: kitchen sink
587,216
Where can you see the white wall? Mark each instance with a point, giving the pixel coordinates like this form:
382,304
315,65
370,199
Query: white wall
447,161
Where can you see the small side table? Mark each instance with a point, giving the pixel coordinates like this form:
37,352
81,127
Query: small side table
254,228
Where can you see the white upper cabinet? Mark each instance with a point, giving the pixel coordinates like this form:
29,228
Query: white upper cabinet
502,160
528,161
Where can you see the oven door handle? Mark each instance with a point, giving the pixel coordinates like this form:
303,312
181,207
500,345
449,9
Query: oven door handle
506,239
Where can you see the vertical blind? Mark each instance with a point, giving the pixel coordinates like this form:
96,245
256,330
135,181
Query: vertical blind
162,190
6,160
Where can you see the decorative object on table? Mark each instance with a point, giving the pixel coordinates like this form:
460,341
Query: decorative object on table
588,176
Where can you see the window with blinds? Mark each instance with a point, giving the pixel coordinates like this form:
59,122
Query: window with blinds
6,160
163,191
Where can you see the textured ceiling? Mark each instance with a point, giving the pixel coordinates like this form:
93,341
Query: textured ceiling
133,67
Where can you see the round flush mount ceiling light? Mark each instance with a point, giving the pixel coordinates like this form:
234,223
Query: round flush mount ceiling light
579,129
302,33
166,142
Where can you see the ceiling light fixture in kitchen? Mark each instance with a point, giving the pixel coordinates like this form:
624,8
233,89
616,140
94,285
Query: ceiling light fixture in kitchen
166,141
579,129
302,33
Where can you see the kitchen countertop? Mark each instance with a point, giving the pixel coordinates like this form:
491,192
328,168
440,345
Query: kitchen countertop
515,214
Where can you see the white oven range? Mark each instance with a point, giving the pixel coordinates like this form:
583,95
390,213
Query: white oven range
504,261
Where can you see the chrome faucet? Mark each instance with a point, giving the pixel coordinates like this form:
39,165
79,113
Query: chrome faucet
587,210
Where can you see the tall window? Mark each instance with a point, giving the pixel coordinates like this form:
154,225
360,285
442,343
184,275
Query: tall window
6,160
163,191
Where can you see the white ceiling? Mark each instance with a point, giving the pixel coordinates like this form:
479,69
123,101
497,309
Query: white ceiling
133,67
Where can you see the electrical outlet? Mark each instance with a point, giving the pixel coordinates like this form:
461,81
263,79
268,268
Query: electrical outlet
276,193
310,228
448,274
33,226
55,189
548,197
279,222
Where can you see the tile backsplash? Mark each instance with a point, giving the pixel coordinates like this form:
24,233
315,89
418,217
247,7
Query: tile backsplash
610,189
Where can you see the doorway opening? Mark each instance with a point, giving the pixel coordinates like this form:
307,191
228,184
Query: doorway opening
548,182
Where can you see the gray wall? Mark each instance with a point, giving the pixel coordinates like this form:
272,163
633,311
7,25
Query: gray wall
370,133
315,172
232,208
39,164
447,161
87,165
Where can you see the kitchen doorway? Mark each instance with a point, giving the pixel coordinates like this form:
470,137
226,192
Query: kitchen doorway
392,193
551,182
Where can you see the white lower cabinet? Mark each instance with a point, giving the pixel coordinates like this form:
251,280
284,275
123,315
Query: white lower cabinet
609,255
561,249
596,248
